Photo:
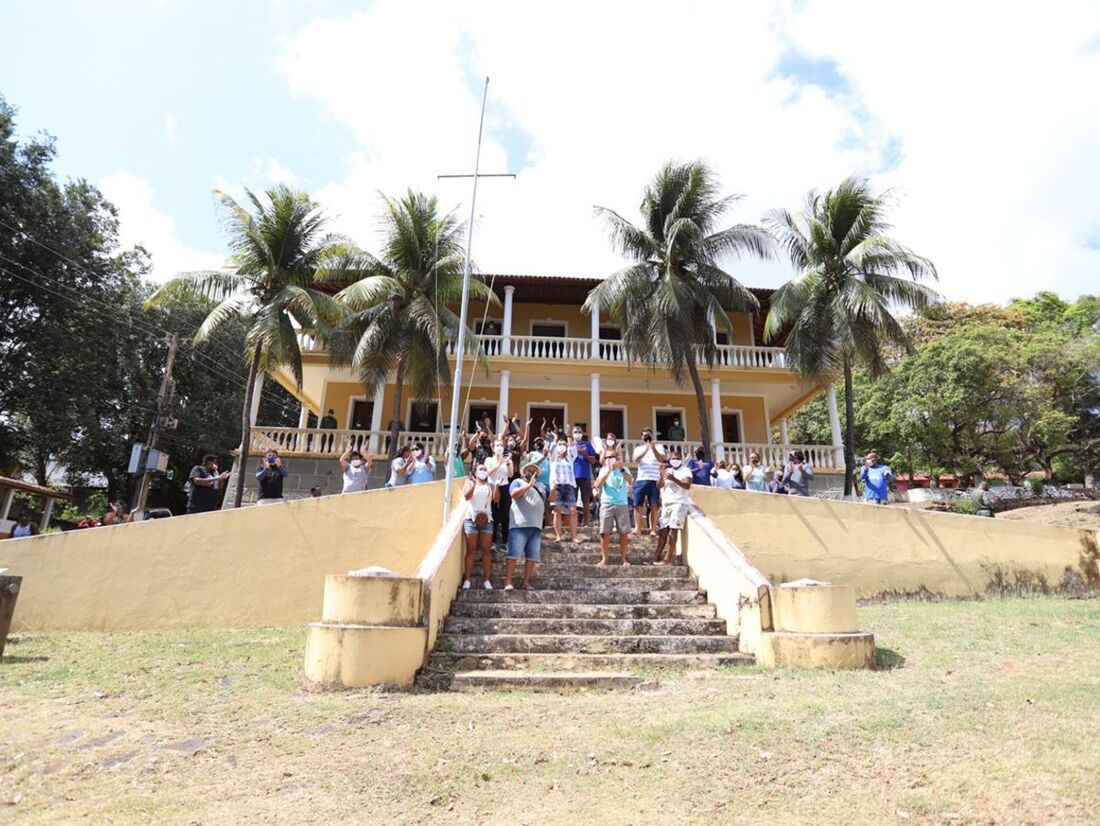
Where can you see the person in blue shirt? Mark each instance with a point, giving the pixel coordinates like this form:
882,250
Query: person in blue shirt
700,467
270,476
876,480
423,467
586,457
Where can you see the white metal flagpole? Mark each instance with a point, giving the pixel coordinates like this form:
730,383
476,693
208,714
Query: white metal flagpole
460,345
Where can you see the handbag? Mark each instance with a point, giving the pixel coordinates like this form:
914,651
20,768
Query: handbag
481,520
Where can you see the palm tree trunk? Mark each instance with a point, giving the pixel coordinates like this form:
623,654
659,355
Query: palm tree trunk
395,415
246,426
704,424
849,429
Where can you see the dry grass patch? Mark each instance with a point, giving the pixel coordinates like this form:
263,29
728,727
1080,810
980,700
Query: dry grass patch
987,713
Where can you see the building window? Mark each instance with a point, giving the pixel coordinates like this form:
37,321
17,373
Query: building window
548,329
423,417
610,333
479,412
722,338
731,427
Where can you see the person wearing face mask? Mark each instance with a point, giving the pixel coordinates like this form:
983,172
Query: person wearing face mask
355,470
755,475
798,473
528,498
423,466
481,496
500,467
721,476
270,477
675,484
612,487
204,482
564,486
648,456
582,471
700,467
401,468
737,481
610,448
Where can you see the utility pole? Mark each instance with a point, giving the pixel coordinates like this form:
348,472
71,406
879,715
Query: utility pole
164,399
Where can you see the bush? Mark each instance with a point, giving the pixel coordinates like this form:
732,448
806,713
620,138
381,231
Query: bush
1038,485
964,505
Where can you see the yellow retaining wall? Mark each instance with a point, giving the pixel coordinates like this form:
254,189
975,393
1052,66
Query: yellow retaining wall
252,567
877,549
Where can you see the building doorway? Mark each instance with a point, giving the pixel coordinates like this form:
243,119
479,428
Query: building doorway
612,420
362,413
669,425
731,427
423,417
551,412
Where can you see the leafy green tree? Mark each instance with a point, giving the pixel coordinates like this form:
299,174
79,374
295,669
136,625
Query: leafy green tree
399,323
276,252
837,311
670,297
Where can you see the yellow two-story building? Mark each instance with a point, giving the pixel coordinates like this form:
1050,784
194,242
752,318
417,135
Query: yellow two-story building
546,359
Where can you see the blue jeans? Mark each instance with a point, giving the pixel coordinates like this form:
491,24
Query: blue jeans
525,543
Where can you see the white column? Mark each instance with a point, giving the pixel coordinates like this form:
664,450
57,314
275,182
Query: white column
506,331
834,425
716,419
8,497
257,393
783,438
376,418
594,410
303,417
595,340
502,403
47,511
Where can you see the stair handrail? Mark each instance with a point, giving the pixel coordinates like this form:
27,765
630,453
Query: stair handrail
428,571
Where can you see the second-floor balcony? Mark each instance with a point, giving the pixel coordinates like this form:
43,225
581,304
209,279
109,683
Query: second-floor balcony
560,348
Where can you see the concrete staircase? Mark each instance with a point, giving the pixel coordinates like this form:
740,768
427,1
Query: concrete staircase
583,625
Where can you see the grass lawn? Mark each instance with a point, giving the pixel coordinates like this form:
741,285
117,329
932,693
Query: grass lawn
988,713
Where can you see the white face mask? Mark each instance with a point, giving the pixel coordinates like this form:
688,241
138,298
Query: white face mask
561,450
498,450
418,453
675,462
577,434
483,474
356,463
609,442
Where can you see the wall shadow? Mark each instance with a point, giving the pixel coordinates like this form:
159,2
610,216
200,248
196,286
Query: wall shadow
887,659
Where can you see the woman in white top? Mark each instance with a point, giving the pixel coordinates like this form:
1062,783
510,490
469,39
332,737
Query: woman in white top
755,475
501,470
563,485
723,476
649,456
480,496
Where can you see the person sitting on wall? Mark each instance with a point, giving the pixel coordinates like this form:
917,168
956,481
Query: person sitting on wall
480,495
674,500
528,509
876,478
401,468
423,465
203,485
649,457
355,470
612,486
270,476
700,467
778,484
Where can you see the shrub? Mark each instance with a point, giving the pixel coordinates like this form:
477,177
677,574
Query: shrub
1038,485
964,505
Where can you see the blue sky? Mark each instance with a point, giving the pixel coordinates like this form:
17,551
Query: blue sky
975,126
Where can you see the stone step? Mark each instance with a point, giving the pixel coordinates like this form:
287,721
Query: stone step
585,557
534,610
549,582
588,596
543,680
585,627
452,660
612,570
577,644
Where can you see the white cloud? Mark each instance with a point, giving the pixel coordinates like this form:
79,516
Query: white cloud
992,136
170,127
140,222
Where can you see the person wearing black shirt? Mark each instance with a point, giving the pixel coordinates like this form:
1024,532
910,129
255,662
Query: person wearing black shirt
270,476
204,485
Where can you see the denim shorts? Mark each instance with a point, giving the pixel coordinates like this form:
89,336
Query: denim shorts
566,498
645,493
525,543
469,527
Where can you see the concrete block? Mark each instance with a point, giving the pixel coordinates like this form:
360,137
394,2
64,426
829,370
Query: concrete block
784,649
816,609
371,600
357,656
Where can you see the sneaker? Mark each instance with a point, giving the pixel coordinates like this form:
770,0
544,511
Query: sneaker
466,585
509,587
487,585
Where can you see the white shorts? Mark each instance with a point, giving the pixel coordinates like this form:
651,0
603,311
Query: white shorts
672,516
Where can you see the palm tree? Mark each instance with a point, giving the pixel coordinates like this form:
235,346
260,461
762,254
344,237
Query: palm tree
399,322
275,255
838,310
670,297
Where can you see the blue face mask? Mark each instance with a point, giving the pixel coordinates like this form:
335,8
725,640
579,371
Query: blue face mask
271,457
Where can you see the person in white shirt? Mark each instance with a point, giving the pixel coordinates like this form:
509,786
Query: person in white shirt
401,468
480,496
674,501
722,475
501,469
564,485
648,456
355,470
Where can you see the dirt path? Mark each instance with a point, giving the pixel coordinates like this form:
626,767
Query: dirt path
1067,514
